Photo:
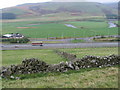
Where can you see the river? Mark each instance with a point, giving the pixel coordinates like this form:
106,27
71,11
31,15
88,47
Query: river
111,24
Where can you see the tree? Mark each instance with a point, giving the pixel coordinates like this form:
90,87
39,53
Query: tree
7,16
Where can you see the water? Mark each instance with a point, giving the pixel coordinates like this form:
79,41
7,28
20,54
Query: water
112,25
69,25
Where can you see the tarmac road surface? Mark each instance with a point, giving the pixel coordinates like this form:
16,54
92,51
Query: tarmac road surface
55,46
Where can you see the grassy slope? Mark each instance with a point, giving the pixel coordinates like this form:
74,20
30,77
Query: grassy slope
84,78
95,9
59,7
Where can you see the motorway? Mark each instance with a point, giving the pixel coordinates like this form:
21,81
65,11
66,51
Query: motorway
55,46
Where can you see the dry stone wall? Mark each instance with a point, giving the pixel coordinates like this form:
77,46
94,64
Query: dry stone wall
66,55
29,66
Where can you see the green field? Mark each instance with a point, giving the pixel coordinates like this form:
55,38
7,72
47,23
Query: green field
83,78
78,41
58,29
48,55
16,56
92,51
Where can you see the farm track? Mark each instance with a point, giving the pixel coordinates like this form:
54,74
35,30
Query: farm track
55,46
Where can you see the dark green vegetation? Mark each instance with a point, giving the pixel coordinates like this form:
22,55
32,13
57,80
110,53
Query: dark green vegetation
7,16
15,40
83,78
111,16
52,9
77,41
110,39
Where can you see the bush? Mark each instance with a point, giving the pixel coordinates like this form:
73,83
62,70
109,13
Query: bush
7,16
15,40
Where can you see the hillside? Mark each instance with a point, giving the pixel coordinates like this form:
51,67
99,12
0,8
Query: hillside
58,8
112,5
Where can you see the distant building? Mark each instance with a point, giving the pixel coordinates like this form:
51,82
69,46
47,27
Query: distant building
16,35
7,36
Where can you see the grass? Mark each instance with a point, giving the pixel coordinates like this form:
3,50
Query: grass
46,42
48,55
83,78
16,56
80,52
78,41
110,39
58,29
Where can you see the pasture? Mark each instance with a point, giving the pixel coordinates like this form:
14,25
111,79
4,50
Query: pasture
38,29
83,78
48,55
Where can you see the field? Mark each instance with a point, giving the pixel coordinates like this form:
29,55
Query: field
84,78
77,41
49,56
45,29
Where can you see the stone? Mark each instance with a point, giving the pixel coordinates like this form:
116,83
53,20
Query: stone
12,77
29,66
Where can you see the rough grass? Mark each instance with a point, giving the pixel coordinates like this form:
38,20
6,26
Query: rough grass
84,78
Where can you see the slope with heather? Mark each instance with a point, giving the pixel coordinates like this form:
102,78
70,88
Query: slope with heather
56,8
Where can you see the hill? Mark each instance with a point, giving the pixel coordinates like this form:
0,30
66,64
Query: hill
58,8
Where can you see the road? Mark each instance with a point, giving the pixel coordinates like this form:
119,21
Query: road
55,46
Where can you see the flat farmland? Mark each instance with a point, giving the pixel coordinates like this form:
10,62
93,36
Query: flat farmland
48,55
36,29
16,56
81,52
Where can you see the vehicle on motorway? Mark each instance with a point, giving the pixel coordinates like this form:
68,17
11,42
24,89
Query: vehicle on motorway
37,43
